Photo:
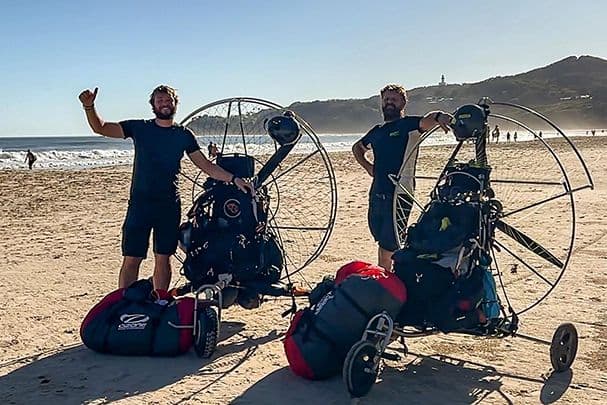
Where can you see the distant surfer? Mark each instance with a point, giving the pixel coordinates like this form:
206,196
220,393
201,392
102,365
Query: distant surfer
30,158
391,142
154,197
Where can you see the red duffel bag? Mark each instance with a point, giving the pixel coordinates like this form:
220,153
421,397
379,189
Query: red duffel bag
128,321
319,337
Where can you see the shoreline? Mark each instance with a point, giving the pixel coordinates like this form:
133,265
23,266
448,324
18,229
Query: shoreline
578,141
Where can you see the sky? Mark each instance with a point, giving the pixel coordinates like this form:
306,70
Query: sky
276,50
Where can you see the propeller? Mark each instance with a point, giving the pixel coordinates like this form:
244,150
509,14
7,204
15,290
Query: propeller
272,164
528,243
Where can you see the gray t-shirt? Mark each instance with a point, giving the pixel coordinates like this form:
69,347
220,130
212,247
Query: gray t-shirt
158,153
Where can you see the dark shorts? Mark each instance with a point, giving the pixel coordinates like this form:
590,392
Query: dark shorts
380,221
143,217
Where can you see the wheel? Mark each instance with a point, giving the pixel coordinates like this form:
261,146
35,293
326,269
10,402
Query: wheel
361,368
563,347
207,332
229,296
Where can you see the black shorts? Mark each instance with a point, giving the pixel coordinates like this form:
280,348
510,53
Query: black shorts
141,218
380,221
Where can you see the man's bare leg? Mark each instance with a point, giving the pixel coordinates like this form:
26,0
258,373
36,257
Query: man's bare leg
129,272
385,258
162,271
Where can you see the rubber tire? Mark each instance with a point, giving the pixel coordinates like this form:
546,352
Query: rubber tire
563,348
207,332
360,357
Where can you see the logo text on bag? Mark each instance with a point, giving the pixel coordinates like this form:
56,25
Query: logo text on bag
323,301
133,321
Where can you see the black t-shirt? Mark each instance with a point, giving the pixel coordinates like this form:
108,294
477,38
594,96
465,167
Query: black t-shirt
158,153
389,142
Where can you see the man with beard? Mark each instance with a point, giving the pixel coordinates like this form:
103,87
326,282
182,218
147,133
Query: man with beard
391,143
154,197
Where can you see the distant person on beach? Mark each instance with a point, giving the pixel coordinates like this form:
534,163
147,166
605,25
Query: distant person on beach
391,142
508,136
214,151
495,135
154,197
515,136
30,158
212,148
540,134
593,132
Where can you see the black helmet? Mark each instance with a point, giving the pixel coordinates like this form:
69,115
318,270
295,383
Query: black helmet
283,129
469,121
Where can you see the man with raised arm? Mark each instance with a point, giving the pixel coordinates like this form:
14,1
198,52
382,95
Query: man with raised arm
154,202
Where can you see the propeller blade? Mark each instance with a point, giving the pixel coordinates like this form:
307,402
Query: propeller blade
272,164
529,243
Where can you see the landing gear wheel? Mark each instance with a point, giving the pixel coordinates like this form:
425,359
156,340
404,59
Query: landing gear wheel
207,332
563,347
361,368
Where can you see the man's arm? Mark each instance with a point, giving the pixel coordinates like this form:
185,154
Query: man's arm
359,150
109,129
217,172
433,118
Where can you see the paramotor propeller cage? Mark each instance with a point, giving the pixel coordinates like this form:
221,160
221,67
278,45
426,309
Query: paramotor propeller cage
292,172
527,262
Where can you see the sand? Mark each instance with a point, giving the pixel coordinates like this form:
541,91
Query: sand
60,253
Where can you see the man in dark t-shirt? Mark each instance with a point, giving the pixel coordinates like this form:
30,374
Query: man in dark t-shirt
392,143
154,202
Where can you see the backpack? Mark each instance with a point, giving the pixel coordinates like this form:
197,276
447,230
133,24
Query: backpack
442,228
439,262
227,234
320,336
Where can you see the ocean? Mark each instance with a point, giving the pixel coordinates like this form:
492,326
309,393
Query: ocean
76,152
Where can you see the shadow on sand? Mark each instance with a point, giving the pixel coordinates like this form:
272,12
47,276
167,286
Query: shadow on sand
78,375
425,380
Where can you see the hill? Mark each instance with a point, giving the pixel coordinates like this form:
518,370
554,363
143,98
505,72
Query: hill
572,92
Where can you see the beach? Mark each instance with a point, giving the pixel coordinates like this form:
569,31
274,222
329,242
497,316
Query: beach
60,254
